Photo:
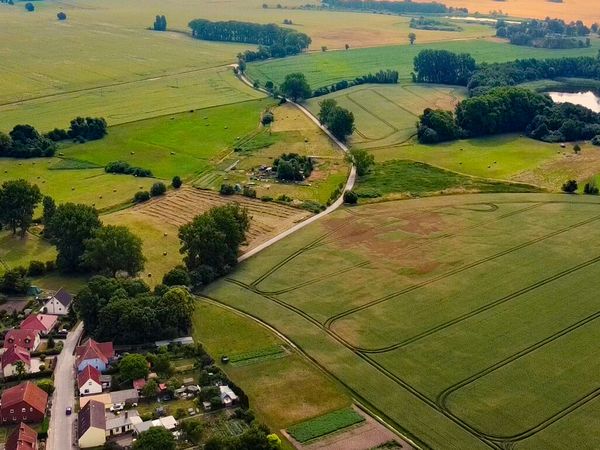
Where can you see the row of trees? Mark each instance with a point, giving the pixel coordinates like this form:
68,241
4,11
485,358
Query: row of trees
396,7
443,67
274,41
122,167
127,311
339,121
380,77
550,33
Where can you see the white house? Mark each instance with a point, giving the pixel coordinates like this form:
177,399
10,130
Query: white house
59,303
88,381
228,397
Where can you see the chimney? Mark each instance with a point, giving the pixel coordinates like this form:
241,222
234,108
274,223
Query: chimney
126,414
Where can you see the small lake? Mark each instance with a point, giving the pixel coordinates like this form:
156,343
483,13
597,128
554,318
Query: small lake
588,99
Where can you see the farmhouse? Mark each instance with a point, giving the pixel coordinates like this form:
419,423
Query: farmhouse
43,323
91,425
59,303
97,354
23,438
10,358
88,381
23,403
228,397
27,339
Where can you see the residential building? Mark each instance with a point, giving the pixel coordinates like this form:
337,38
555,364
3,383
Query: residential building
126,396
97,354
228,397
23,403
27,339
23,438
88,381
59,303
43,323
11,357
167,422
122,423
91,425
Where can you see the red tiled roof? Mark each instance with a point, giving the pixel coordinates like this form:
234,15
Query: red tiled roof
25,392
89,373
18,337
92,349
23,438
39,322
139,384
14,354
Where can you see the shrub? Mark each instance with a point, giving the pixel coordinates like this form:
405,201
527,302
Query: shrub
157,189
267,118
227,189
61,16
249,192
350,197
36,268
50,266
57,134
141,196
177,276
596,140
266,198
284,198
29,7
176,182
591,189
570,186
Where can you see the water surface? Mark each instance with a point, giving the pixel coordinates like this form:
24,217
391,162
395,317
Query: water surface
588,99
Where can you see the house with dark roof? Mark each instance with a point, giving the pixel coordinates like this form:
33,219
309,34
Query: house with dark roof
27,339
96,354
23,403
88,381
11,357
23,438
44,323
59,304
91,425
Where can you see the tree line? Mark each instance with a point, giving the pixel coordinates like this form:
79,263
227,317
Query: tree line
274,41
547,33
396,7
380,77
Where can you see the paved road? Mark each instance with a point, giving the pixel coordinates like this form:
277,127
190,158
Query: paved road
60,433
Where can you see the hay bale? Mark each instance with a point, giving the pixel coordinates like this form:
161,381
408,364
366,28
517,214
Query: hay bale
165,234
164,253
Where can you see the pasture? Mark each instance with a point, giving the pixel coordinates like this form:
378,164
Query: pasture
325,68
462,320
386,114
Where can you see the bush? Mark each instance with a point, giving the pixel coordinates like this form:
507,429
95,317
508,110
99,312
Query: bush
122,167
157,189
36,268
29,7
141,196
267,118
249,192
61,16
570,186
596,140
591,189
350,197
266,198
177,276
227,189
50,266
176,182
284,198
57,135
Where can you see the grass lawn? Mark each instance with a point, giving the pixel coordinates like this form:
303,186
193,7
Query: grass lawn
323,425
400,178
282,391
15,251
323,69
404,285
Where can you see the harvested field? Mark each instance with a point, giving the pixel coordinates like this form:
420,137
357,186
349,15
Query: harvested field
461,320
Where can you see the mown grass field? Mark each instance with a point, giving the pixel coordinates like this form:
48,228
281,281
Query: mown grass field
462,320
322,69
386,114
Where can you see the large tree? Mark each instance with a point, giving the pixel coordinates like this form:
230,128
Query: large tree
133,367
114,249
18,199
71,225
362,159
156,438
295,87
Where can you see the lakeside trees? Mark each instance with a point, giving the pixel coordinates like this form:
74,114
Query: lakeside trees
547,33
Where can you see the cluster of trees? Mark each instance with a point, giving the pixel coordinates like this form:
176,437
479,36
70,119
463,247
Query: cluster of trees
24,141
548,33
296,87
61,16
274,41
444,67
211,242
15,281
160,23
361,159
293,167
565,122
156,190
380,77
423,23
396,7
124,168
88,128
339,121
127,311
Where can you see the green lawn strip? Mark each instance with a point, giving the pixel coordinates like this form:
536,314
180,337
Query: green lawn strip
258,355
73,164
419,179
324,425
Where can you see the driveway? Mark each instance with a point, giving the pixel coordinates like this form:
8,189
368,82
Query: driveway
61,432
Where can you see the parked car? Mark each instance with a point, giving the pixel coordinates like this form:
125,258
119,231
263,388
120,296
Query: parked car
69,410
117,407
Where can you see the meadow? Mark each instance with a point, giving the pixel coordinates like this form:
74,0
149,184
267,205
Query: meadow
325,68
413,307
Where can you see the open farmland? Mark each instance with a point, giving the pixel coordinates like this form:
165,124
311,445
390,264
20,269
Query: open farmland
439,314
386,114
322,69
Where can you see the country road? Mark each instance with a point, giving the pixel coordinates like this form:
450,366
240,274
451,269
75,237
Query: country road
61,434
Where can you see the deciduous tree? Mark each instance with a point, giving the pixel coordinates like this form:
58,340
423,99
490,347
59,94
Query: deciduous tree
18,200
114,249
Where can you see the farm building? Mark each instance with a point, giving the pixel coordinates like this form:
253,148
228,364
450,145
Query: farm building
59,303
91,425
97,354
23,403
228,397
27,339
42,323
88,381
23,438
10,358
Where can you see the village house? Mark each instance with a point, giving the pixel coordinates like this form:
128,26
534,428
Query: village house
122,423
91,425
27,339
88,381
96,354
23,403
228,397
59,303
42,323
11,357
23,438
168,422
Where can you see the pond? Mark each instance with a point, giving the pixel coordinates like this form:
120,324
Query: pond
588,99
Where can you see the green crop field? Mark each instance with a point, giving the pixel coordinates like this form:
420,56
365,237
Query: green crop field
386,114
327,424
322,69
467,321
